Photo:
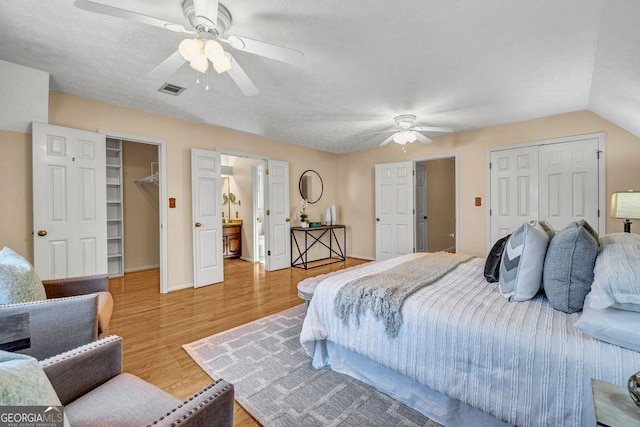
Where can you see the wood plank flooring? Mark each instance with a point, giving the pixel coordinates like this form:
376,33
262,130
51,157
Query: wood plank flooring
154,326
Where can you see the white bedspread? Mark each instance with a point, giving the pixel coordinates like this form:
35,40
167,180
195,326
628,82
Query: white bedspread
522,362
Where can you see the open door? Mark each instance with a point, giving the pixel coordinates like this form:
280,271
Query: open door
422,225
69,202
394,209
278,240
206,186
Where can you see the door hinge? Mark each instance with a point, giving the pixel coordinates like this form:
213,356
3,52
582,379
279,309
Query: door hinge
268,253
598,213
266,172
268,212
490,212
489,165
598,154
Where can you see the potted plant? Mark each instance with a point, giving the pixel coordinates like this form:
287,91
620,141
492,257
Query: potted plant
304,218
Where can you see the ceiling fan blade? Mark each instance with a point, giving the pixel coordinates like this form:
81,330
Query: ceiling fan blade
431,129
423,138
378,133
132,16
268,50
206,12
240,77
168,67
386,141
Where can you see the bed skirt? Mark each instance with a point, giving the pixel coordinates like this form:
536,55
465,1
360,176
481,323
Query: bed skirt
435,405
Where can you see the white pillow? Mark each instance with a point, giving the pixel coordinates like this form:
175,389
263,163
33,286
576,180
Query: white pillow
18,280
616,281
612,325
523,260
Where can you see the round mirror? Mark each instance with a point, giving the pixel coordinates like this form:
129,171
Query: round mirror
310,186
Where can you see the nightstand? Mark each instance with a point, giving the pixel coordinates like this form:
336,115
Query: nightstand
613,405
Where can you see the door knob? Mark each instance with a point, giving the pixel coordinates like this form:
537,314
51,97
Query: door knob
42,233
424,217
198,224
287,220
378,219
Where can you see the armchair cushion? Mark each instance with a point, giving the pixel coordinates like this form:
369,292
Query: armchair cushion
18,280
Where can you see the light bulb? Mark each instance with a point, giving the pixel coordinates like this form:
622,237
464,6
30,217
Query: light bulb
212,49
403,137
221,63
190,48
200,63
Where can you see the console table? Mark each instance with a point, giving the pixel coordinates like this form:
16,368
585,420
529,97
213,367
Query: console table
303,239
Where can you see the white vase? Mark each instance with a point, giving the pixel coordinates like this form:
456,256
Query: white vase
327,216
304,224
334,215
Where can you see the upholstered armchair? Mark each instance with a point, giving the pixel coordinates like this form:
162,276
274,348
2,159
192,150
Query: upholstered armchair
90,384
77,311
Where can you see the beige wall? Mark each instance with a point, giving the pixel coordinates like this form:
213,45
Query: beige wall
16,220
441,204
141,216
356,170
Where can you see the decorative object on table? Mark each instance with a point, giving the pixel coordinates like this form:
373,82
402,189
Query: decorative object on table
634,387
327,216
315,224
304,217
626,205
334,215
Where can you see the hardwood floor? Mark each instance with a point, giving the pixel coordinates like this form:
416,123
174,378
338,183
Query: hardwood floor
154,326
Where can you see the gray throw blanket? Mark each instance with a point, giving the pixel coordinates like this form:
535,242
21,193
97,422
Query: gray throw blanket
384,293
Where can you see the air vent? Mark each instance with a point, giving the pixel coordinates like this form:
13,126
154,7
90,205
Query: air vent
171,89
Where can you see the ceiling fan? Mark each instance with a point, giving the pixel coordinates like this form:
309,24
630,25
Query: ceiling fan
405,131
209,22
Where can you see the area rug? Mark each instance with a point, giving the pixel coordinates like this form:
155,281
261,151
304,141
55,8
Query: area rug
275,382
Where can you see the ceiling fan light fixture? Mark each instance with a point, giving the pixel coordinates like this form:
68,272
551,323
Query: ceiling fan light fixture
221,63
190,49
403,137
200,63
212,49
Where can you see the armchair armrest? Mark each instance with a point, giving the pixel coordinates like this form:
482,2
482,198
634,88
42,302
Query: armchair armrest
72,286
58,325
78,371
211,406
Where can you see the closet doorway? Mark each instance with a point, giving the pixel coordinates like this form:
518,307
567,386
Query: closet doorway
143,237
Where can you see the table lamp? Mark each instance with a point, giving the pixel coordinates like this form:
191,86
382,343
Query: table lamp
626,205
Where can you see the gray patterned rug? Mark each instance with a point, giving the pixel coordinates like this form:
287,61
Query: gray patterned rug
275,382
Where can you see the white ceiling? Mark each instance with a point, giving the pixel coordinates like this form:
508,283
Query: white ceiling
463,64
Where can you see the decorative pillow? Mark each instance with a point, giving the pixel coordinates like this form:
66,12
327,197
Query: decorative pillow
568,267
616,280
23,382
18,281
612,325
492,265
522,261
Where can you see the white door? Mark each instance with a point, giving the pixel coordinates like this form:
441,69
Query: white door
206,185
569,183
257,173
394,209
69,202
422,244
514,189
278,221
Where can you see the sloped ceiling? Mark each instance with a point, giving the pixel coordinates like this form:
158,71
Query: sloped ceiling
462,64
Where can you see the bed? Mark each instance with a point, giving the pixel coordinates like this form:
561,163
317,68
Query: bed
465,353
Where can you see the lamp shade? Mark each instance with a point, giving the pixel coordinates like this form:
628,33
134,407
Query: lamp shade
200,63
625,205
190,48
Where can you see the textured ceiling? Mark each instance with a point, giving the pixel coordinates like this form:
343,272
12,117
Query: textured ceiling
462,64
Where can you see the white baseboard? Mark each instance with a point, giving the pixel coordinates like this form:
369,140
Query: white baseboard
145,267
180,287
368,258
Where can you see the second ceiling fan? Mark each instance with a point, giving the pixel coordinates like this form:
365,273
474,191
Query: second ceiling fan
209,22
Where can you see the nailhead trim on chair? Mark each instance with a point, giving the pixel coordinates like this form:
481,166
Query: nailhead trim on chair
196,409
76,278
66,355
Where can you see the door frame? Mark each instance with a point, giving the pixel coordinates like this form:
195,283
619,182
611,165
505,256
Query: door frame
456,161
162,193
602,190
265,159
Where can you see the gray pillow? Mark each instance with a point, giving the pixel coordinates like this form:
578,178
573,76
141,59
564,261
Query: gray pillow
522,262
568,266
18,280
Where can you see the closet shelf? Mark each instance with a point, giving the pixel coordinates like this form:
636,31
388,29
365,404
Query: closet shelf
148,179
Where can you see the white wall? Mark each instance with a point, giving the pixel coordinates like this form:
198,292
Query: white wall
25,97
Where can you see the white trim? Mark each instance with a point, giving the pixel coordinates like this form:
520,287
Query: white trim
162,192
142,268
368,258
456,160
180,287
600,136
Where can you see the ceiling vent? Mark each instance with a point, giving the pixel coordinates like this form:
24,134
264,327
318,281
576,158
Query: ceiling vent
171,89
